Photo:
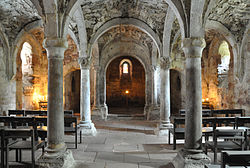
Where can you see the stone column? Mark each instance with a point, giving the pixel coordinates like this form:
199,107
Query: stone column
165,97
192,154
154,108
99,109
55,152
86,125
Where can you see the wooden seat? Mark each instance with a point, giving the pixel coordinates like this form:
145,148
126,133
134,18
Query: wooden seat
235,158
230,139
30,142
15,112
70,126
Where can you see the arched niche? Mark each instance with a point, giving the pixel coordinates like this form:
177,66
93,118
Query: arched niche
125,92
217,87
109,53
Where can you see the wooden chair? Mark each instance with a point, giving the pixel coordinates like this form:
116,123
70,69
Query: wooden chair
235,158
231,139
70,126
177,131
30,143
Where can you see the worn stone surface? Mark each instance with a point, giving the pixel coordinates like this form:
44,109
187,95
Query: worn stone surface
233,14
15,14
98,12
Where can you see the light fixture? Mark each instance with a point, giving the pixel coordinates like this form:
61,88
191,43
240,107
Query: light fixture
127,92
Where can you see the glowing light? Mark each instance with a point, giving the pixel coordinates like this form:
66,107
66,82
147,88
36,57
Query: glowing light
207,99
203,100
127,92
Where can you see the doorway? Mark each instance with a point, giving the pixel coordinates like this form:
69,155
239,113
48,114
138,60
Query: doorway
125,86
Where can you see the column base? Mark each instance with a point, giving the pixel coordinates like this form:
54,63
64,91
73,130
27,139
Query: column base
162,128
153,113
63,159
87,128
100,112
187,158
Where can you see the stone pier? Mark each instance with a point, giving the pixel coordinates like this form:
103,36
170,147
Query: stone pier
86,125
192,155
56,153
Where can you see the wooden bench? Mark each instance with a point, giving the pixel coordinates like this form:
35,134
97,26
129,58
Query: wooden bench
177,131
233,140
15,112
35,113
19,135
228,112
70,126
235,158
205,112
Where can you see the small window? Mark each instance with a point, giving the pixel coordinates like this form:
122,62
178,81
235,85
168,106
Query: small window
26,57
125,68
224,52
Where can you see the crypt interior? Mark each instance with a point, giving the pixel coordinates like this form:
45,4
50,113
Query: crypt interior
125,68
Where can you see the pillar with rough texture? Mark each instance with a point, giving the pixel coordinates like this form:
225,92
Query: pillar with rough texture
55,154
165,97
153,113
192,155
86,125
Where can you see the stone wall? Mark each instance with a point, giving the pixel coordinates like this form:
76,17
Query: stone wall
7,89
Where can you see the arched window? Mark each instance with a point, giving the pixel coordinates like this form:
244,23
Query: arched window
224,52
26,57
125,68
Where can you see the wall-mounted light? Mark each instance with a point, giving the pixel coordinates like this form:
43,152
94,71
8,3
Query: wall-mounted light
127,92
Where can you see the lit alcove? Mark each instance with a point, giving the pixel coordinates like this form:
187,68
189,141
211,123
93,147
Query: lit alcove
27,76
125,86
223,67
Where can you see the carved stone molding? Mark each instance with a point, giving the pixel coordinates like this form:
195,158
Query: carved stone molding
165,63
84,62
193,46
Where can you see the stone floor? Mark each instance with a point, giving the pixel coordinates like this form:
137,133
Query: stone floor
120,144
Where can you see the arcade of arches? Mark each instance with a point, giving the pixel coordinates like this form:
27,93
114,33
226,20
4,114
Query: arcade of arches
112,58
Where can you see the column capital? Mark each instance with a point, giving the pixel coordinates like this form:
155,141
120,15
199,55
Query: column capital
165,63
84,62
193,46
55,47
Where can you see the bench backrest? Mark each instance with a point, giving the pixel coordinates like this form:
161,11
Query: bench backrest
16,112
35,113
229,112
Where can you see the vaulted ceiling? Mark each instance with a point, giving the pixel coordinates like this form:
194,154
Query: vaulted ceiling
234,14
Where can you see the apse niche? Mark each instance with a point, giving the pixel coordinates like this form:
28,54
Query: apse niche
125,86
72,91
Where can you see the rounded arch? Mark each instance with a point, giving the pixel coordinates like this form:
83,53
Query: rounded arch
214,25
127,21
178,9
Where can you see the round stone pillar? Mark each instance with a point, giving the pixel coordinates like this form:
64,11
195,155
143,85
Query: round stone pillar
55,50
55,154
192,155
86,125
165,97
192,48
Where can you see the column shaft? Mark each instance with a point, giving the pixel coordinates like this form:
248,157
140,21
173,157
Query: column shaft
165,96
85,95
193,122
55,51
